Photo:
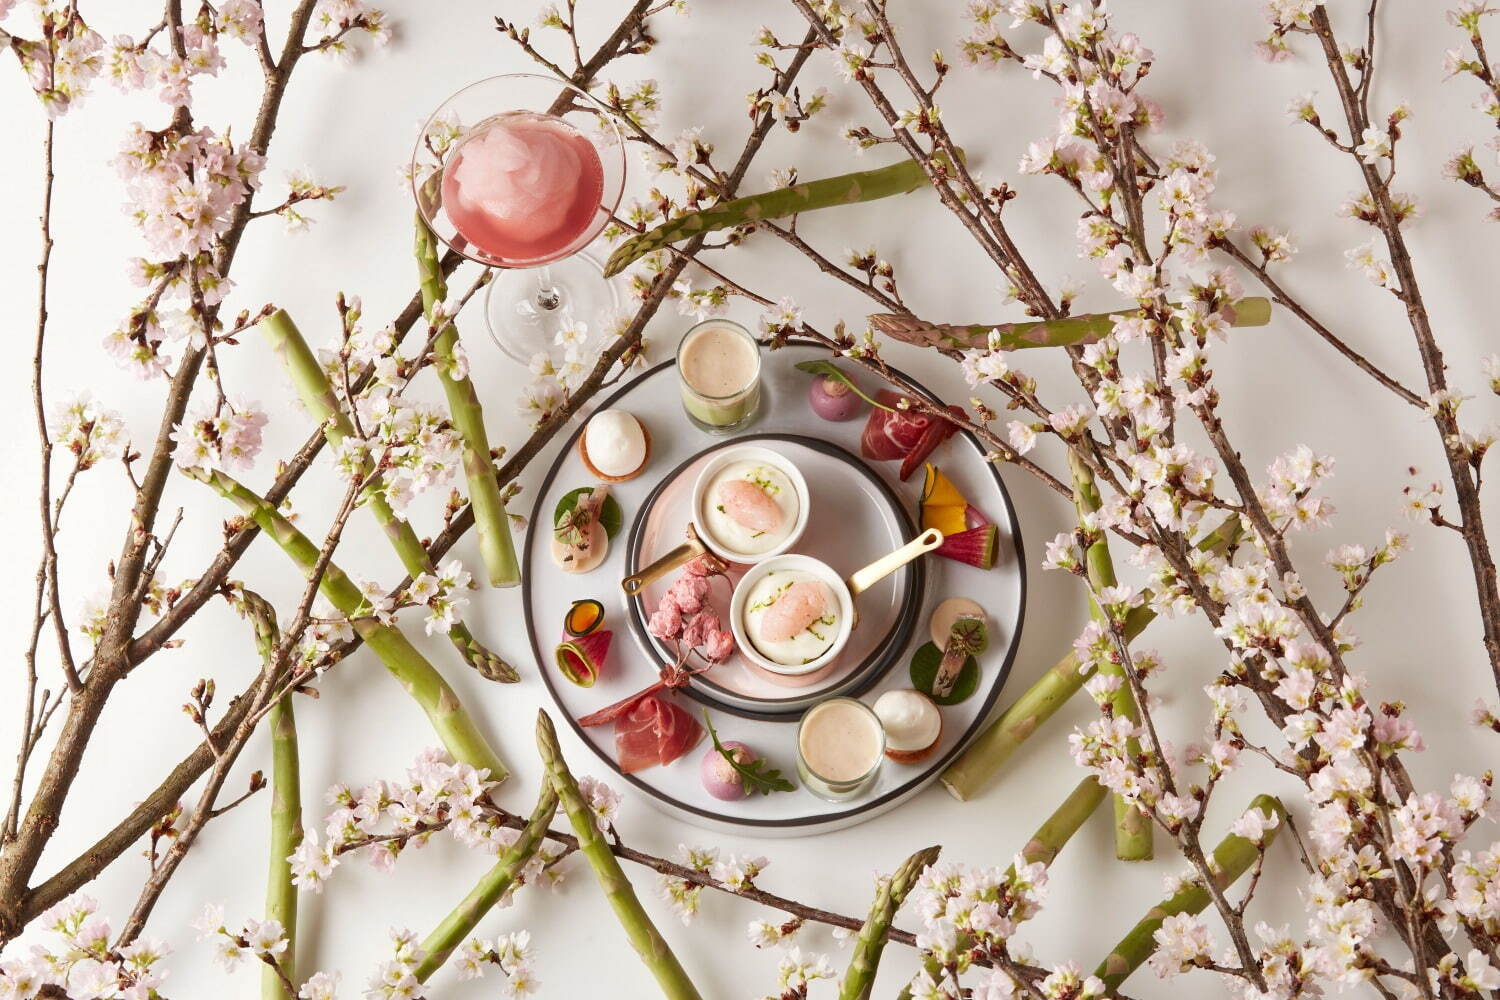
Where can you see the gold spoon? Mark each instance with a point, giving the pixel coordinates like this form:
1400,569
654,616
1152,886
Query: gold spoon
863,579
680,556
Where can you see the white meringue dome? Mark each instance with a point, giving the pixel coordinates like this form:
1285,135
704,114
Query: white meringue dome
615,442
911,720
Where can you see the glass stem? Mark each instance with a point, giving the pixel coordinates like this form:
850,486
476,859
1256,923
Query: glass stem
548,296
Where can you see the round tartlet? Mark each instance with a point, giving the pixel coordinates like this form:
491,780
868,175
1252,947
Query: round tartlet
615,446
913,724
948,612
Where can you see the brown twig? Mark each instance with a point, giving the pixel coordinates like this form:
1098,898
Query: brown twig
1462,474
46,602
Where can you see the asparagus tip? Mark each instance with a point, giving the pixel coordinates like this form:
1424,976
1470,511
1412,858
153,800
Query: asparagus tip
546,733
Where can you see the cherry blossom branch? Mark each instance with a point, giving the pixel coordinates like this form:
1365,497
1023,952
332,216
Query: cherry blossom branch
1284,299
110,661
665,867
47,576
1462,471
45,604
1185,833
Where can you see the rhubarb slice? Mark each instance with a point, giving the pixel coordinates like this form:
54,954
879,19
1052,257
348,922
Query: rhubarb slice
976,546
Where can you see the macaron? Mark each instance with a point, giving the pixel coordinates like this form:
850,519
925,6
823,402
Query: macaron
913,724
614,446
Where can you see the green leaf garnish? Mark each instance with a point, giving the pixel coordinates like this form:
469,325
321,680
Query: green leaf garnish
756,776
924,668
827,368
611,517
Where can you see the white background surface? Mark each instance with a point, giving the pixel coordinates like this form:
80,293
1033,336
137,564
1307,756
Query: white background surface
353,125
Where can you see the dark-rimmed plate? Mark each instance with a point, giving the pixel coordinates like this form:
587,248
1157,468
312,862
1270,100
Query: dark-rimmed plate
856,517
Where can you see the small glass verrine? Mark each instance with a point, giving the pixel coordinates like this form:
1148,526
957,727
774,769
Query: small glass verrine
718,366
840,748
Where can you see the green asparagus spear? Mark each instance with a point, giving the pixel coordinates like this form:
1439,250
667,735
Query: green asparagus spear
286,803
1231,859
860,979
1071,331
1133,834
448,935
495,544
644,937
318,397
420,678
975,766
845,189
1058,829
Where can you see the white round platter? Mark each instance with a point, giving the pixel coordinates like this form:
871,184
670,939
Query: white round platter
548,592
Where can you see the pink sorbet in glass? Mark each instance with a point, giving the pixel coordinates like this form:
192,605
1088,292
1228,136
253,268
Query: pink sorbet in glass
523,187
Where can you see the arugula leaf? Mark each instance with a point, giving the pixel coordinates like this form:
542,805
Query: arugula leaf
755,776
827,368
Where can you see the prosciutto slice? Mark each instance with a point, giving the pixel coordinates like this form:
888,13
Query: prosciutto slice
909,435
891,434
610,713
936,433
653,732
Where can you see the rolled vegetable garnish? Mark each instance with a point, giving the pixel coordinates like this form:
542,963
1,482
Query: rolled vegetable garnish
583,617
581,658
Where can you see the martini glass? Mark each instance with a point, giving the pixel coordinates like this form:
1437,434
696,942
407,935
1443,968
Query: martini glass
520,173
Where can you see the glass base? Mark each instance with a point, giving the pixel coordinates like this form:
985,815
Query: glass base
526,308
721,418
